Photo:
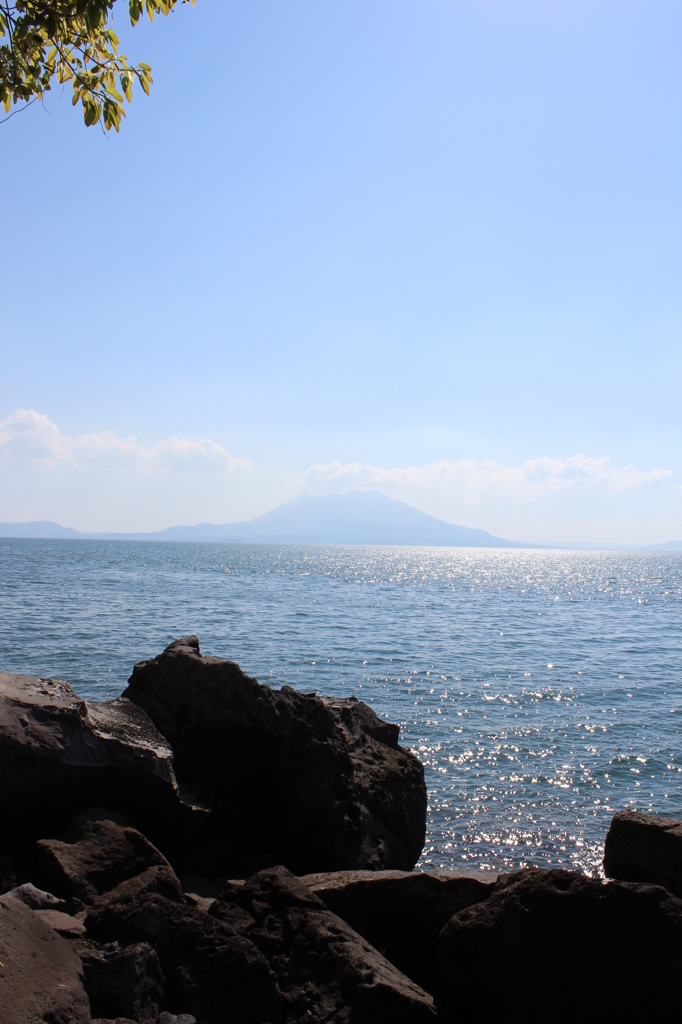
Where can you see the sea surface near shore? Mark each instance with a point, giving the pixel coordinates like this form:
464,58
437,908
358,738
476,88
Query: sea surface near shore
542,689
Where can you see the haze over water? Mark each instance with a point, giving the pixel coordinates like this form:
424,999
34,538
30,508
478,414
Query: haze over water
540,688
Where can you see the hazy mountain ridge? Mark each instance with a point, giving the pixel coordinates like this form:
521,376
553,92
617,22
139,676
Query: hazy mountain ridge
360,517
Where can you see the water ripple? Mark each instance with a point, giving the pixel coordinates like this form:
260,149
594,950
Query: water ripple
540,688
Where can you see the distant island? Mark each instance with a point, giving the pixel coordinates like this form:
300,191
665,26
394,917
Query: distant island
359,517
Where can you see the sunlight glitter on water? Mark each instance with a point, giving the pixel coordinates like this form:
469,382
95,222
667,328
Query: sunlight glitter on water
540,688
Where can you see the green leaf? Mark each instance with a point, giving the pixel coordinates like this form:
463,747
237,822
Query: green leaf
135,10
72,40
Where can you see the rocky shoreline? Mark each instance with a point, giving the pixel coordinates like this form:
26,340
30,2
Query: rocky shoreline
206,848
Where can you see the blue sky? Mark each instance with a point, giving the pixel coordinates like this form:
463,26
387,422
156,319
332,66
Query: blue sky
432,248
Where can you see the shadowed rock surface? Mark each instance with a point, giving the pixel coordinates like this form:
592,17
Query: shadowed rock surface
41,977
8,874
159,880
319,784
292,778
123,981
402,912
643,848
37,899
99,851
66,925
210,971
563,947
118,1020
60,755
326,971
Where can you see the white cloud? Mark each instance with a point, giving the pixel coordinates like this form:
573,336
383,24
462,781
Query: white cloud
532,477
31,437
28,436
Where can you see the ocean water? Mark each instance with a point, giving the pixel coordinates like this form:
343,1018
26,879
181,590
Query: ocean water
541,689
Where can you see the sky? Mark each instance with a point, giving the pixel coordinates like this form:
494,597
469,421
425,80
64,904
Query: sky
430,248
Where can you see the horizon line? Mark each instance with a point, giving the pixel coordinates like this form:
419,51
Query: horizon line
352,518
152,537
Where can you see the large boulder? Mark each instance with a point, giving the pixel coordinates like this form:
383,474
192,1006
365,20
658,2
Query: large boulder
123,981
41,978
316,784
60,754
556,945
158,881
98,851
402,913
643,848
210,971
326,970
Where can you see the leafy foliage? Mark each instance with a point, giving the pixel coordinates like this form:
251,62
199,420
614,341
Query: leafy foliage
72,41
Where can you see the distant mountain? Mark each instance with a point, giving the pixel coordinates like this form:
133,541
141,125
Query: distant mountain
39,528
360,517
672,545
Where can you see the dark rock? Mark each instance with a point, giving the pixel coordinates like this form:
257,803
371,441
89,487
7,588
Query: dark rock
402,913
62,923
555,945
642,848
60,754
210,971
202,903
123,981
171,1018
118,1020
326,970
198,886
99,851
159,880
36,899
327,785
8,874
56,913
199,891
40,975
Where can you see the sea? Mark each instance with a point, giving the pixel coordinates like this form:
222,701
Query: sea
540,688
